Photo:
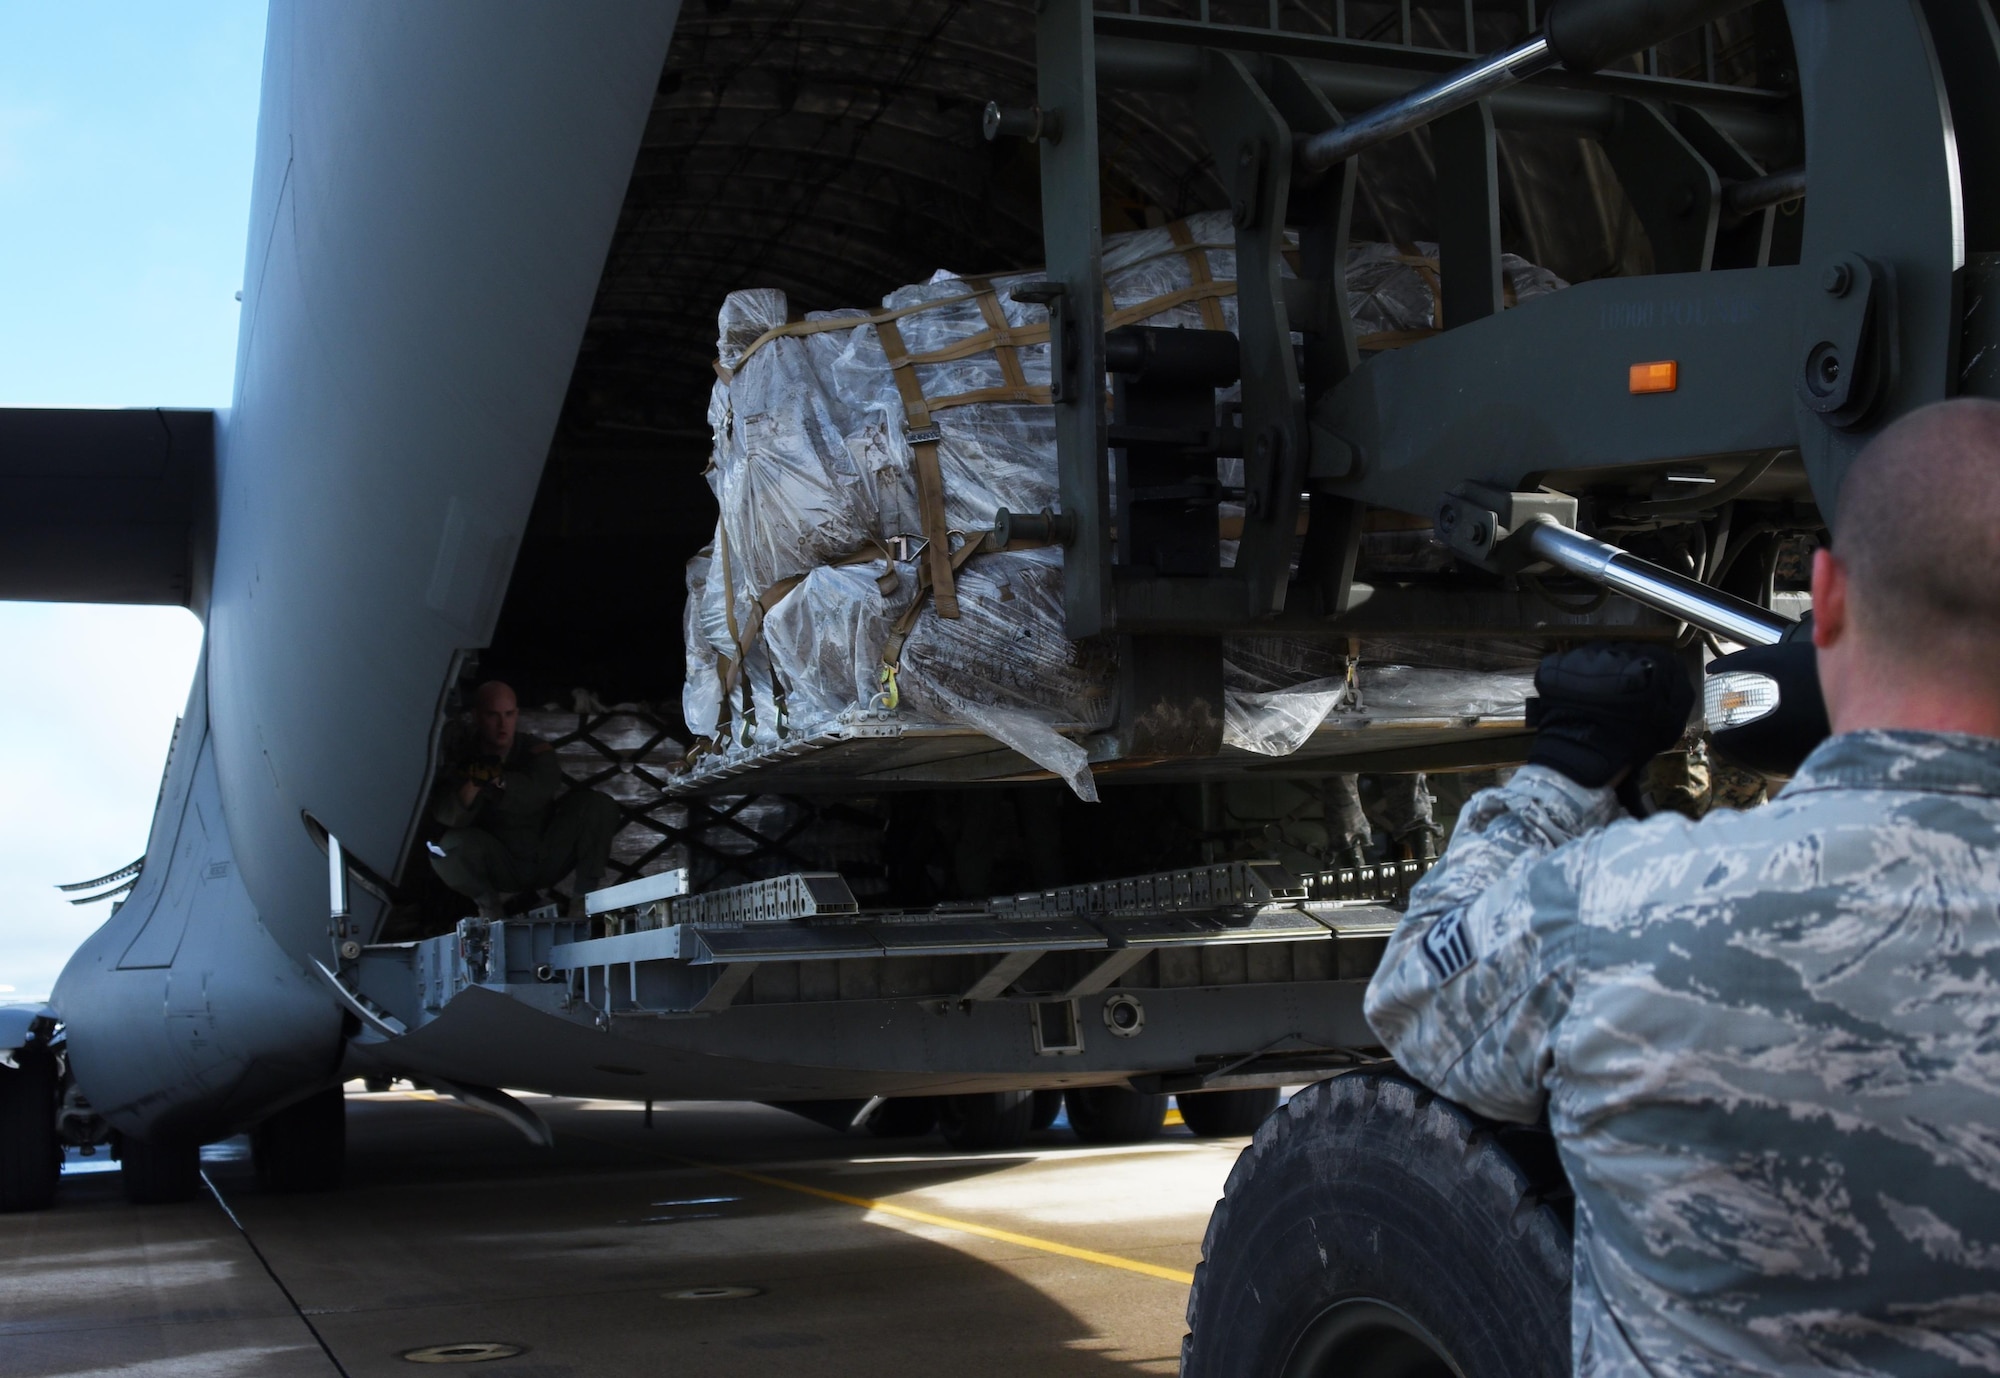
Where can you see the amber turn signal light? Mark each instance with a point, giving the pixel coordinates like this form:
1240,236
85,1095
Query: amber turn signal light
1663,376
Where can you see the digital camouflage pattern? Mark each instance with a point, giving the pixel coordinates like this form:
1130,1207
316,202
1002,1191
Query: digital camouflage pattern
1768,1044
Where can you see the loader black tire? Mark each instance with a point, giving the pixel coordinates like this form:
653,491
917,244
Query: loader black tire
304,1146
30,1154
1048,1105
988,1119
1374,1228
1227,1114
904,1117
1114,1115
159,1172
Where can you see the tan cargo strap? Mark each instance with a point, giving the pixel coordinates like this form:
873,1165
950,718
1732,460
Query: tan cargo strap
761,606
1202,290
1427,269
892,649
795,329
1004,337
728,596
923,435
730,670
1197,262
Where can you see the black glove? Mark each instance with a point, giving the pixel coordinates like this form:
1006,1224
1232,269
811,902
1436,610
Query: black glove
1607,707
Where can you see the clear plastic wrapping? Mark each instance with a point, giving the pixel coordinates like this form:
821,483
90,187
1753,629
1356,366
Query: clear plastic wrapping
792,495
701,690
725,670
993,455
827,635
791,609
1005,667
1392,290
1421,691
1278,691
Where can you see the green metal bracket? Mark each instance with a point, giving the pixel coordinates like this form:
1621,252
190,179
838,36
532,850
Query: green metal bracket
1468,179
1674,191
1072,235
1252,144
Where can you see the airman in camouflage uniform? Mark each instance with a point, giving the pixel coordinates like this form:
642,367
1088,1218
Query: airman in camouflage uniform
1768,1043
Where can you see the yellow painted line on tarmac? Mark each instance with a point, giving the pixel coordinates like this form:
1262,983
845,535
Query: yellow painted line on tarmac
1025,1241
945,1222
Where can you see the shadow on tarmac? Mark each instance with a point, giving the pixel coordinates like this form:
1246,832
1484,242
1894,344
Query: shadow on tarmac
601,1256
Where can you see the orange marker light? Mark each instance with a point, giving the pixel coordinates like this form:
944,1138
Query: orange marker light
1664,376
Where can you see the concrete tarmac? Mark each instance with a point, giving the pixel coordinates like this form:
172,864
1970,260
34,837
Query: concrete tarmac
726,1240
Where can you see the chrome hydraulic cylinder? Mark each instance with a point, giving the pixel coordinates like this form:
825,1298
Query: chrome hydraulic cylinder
1580,36
1658,588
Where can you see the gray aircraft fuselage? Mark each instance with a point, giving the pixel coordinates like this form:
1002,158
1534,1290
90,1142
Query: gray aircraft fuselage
435,191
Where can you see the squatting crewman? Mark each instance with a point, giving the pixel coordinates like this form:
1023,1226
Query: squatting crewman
1768,1043
507,830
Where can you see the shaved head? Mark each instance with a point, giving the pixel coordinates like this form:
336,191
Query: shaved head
491,695
494,711
1906,603
1918,529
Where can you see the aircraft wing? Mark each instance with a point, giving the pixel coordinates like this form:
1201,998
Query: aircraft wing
106,506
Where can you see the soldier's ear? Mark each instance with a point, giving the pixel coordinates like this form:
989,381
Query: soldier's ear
1830,584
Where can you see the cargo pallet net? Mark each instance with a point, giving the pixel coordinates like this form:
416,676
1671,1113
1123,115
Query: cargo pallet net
854,582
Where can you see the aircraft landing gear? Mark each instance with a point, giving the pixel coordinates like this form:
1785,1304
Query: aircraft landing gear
30,1156
1114,1115
304,1146
904,1117
1226,1114
989,1119
159,1172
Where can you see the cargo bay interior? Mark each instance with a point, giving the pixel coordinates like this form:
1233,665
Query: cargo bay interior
834,151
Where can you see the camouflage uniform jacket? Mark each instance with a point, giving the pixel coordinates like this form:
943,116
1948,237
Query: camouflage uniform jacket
1768,1045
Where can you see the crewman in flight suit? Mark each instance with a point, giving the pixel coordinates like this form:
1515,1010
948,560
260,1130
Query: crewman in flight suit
1768,1043
507,829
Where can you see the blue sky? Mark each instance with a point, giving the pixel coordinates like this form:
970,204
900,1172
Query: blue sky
126,132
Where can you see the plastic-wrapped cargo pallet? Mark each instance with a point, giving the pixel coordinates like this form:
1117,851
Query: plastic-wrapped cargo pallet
860,458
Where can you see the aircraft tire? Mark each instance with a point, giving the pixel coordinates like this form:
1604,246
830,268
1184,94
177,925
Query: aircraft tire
159,1173
304,1146
989,1119
1048,1105
1226,1114
1114,1115
30,1154
1373,1227
904,1117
